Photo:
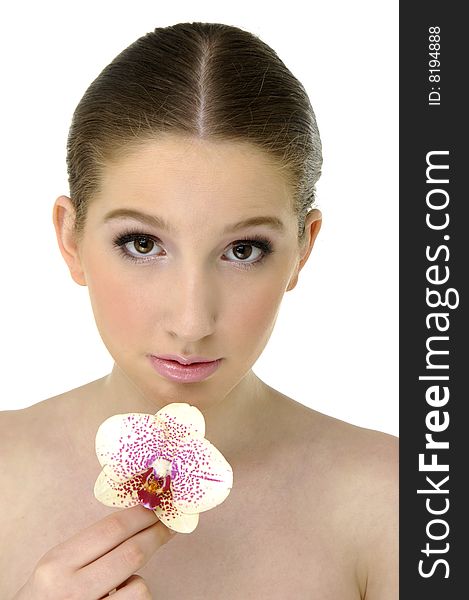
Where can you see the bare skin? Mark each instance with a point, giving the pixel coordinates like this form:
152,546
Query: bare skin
312,513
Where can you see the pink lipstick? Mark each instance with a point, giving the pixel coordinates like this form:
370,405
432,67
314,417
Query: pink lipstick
193,371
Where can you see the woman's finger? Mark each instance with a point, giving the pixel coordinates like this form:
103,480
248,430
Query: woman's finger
134,587
123,561
101,537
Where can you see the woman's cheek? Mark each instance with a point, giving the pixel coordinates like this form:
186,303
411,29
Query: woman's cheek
258,314
117,307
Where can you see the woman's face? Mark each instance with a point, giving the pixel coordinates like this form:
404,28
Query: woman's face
186,277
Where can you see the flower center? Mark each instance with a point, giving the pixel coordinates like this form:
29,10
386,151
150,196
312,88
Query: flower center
153,488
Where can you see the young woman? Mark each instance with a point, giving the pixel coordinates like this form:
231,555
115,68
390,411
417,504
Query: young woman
192,162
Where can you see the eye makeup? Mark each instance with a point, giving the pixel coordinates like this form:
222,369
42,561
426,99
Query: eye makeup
134,236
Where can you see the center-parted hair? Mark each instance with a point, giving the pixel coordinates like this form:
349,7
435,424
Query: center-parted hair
208,80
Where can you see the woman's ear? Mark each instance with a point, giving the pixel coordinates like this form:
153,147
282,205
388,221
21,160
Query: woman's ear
63,216
313,223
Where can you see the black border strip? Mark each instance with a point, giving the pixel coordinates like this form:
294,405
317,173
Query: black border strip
434,358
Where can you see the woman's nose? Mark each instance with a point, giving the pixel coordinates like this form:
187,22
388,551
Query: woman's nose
192,308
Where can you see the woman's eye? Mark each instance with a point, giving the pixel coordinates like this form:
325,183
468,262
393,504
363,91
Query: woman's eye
244,251
251,252
142,245
136,246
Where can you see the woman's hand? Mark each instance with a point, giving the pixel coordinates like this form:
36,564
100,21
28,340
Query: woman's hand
99,559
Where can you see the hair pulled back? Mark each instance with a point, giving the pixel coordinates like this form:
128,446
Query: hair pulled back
207,80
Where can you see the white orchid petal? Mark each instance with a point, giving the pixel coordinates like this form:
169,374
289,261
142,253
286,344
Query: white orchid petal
118,494
173,518
162,458
201,477
127,444
182,420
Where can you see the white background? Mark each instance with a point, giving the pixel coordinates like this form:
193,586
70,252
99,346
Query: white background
334,347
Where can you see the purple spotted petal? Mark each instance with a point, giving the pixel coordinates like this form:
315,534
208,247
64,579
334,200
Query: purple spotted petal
121,494
169,514
201,478
163,462
181,420
128,444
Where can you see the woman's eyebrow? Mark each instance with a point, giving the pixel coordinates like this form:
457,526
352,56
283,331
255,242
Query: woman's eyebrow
155,221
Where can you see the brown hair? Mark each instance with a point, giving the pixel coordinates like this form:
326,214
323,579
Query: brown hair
208,80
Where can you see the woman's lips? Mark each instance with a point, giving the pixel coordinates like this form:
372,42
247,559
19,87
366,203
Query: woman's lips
185,360
184,373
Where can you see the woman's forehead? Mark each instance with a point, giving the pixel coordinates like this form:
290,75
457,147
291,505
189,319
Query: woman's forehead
195,175
201,159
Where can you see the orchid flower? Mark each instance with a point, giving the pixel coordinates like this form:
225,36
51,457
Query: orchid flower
162,462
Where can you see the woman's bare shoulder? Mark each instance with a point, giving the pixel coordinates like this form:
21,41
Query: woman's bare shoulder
15,426
33,428
55,409
16,451
33,441
367,482
20,431
356,470
348,445
18,424
370,487
368,454
358,461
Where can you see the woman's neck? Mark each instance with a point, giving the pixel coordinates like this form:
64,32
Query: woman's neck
230,423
